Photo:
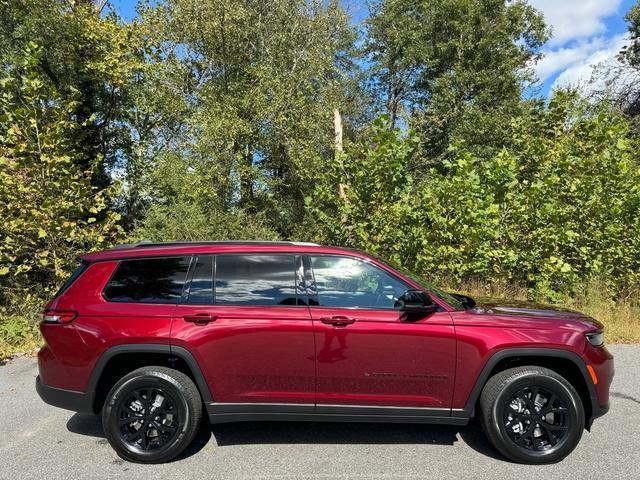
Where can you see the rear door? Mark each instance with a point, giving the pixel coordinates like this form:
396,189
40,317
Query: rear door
367,352
250,329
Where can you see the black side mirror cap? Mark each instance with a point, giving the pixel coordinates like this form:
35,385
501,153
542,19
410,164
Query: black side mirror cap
416,301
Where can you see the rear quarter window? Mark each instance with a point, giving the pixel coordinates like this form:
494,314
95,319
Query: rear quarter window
148,280
71,280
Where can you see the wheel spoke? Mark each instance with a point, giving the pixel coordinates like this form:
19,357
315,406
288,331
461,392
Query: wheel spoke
133,436
550,436
130,419
166,428
145,440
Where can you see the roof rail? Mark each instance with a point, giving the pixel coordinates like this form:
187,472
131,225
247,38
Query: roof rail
148,243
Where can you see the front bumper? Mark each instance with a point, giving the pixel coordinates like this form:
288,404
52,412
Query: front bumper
67,399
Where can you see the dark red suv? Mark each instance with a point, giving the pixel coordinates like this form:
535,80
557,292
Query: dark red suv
152,335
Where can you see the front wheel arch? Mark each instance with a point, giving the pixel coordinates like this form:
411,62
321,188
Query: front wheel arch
564,362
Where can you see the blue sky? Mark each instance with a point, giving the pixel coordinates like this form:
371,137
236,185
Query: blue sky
585,33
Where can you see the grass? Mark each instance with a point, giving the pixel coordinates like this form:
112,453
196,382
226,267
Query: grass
19,326
621,317
18,334
19,331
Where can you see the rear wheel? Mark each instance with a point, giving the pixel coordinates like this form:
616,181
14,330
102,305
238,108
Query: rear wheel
152,414
532,415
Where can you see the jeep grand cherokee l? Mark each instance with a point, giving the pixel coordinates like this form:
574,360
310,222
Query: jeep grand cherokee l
153,336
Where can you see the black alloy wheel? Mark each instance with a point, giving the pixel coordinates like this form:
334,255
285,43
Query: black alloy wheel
152,414
531,414
149,418
535,418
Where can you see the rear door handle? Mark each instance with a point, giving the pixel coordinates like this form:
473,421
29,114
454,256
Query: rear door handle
338,321
200,318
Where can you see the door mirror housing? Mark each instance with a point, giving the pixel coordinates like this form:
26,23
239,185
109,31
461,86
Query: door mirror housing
416,301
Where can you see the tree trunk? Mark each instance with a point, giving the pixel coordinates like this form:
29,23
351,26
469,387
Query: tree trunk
337,128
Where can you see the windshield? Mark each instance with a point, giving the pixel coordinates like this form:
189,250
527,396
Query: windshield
447,297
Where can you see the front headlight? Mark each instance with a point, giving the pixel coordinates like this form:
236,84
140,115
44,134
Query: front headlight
596,338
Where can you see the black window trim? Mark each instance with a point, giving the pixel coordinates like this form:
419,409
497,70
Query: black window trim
186,290
314,294
149,257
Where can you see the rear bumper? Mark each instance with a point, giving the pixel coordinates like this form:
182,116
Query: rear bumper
67,399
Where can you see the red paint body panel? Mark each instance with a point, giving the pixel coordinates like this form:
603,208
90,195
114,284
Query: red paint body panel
72,350
286,354
384,361
252,354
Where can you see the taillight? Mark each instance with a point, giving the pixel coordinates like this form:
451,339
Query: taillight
58,316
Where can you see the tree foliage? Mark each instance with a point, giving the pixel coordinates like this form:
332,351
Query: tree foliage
458,67
546,213
49,207
213,119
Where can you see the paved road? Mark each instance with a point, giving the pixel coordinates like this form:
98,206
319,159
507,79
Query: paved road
39,441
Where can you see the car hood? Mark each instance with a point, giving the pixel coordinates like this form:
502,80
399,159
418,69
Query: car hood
523,308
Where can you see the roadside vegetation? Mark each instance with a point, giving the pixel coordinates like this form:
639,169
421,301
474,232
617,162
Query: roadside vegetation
414,135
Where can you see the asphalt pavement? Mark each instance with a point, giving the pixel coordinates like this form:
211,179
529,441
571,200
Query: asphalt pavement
40,441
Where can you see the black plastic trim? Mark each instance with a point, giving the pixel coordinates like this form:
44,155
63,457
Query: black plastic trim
250,412
67,399
326,417
468,410
180,352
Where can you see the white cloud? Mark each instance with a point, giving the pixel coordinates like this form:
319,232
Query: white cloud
579,72
580,39
575,19
557,60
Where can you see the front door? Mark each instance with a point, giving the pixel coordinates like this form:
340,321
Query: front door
367,352
252,334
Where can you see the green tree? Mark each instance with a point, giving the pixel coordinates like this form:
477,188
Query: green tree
559,206
50,209
457,66
89,56
257,83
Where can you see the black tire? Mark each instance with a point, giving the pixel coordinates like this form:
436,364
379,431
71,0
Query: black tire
531,414
152,414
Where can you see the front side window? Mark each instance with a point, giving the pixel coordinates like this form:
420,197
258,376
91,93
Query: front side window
148,280
349,282
255,280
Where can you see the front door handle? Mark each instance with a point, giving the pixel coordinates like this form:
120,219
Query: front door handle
338,321
199,318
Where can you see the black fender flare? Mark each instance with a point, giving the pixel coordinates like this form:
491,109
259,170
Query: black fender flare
170,350
500,355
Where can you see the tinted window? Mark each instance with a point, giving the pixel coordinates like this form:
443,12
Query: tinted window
255,280
149,280
348,282
201,285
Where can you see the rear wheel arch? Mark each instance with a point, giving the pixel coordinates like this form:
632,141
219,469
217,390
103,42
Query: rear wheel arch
565,363
120,360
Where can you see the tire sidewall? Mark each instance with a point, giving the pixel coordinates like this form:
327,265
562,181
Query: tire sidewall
112,428
575,419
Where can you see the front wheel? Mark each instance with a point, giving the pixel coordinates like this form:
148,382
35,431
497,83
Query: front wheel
152,414
532,415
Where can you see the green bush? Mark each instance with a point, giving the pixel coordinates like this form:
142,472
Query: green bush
558,208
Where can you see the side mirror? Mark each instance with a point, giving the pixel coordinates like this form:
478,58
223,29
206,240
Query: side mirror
415,301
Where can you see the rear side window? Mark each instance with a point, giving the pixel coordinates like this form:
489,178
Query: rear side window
255,280
74,276
148,280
